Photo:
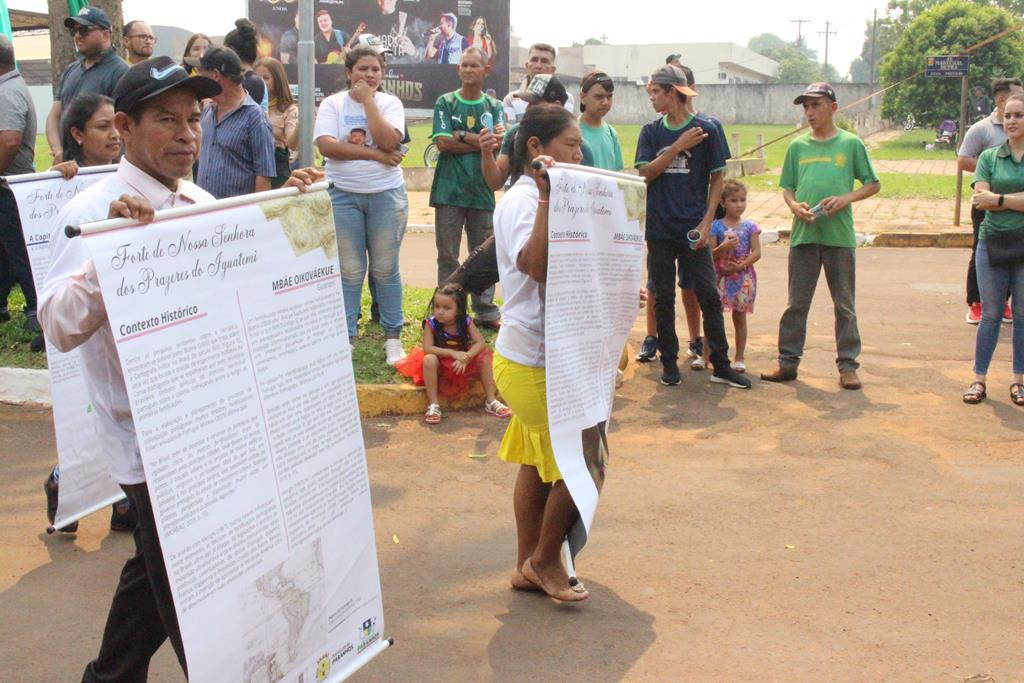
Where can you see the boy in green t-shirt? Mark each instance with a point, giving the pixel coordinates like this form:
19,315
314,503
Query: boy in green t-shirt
817,182
459,194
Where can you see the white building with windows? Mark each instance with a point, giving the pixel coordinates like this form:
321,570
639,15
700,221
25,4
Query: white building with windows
712,63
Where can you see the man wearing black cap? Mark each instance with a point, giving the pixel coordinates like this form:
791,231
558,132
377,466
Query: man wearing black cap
237,156
95,71
817,182
157,107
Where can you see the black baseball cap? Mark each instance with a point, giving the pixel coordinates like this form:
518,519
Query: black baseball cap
149,78
544,88
89,16
674,57
817,90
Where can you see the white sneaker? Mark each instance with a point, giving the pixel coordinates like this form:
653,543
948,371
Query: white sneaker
698,364
393,350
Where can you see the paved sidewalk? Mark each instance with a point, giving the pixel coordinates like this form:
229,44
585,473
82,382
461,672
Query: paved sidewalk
770,212
917,166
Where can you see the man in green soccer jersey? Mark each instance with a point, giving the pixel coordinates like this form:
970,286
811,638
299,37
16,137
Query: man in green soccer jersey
459,194
817,183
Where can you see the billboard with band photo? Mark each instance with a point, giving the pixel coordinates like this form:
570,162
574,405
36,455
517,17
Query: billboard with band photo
426,39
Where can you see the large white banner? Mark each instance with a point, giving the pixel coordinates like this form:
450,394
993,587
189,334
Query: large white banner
595,266
85,481
230,328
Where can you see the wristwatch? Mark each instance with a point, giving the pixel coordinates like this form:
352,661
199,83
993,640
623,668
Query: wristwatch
1001,198
462,136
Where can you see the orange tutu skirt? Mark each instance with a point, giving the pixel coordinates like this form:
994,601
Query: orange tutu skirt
449,384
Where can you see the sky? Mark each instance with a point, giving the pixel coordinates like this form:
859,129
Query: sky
564,21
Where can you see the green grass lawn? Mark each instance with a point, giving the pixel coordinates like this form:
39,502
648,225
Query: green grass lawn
628,135
894,185
911,146
368,358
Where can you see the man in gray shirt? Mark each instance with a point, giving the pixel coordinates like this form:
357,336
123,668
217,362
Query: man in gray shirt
17,148
985,134
97,69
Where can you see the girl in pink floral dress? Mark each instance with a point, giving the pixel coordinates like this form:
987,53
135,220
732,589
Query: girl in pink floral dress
736,248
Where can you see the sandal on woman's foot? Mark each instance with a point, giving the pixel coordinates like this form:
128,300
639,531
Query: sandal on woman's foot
576,593
497,409
1017,393
975,393
519,582
433,414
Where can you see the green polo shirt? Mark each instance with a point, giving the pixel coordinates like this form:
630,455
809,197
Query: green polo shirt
997,167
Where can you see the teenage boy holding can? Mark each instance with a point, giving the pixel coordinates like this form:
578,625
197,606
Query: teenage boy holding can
683,165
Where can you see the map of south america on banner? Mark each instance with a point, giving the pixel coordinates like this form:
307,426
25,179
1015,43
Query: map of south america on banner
595,266
230,328
85,481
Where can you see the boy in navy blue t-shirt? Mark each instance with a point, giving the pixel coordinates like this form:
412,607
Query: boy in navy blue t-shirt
682,163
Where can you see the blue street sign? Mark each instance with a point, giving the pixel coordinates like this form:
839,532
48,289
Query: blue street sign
948,66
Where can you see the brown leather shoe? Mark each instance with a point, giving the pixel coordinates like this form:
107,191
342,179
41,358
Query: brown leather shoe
848,379
779,374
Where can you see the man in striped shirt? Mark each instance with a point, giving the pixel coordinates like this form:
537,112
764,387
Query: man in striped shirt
237,155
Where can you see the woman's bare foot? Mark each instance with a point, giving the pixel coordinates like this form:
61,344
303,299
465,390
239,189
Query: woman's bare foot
555,583
520,583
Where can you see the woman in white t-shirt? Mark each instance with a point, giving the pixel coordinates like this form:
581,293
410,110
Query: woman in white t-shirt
359,131
544,509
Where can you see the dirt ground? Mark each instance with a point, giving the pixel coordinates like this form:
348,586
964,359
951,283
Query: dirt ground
798,532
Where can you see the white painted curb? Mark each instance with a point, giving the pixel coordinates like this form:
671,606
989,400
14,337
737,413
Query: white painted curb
20,385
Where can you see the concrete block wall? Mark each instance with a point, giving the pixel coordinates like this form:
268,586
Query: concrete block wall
748,103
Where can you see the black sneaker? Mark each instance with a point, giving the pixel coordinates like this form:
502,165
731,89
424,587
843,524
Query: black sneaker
52,488
123,516
696,347
670,374
731,377
32,324
648,350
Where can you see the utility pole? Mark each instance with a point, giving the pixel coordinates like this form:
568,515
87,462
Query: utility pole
826,33
799,30
874,43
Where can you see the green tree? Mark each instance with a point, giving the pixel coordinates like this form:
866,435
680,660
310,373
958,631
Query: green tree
945,29
797,64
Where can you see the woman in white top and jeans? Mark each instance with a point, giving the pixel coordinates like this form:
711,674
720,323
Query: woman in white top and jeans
359,131
544,509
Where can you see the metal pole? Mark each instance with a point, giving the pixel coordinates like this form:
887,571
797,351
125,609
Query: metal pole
959,136
306,78
874,42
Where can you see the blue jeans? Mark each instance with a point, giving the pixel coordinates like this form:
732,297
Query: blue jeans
370,228
993,283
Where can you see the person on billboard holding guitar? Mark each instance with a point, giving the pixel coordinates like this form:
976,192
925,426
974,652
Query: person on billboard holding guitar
330,44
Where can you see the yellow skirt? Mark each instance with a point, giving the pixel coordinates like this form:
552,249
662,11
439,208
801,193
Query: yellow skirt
527,440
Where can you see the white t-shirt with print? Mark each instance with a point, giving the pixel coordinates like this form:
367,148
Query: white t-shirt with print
342,117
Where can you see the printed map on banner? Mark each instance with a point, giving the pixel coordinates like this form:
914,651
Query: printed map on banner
283,616
595,265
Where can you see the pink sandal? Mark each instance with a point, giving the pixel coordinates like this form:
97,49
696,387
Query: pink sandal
433,414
